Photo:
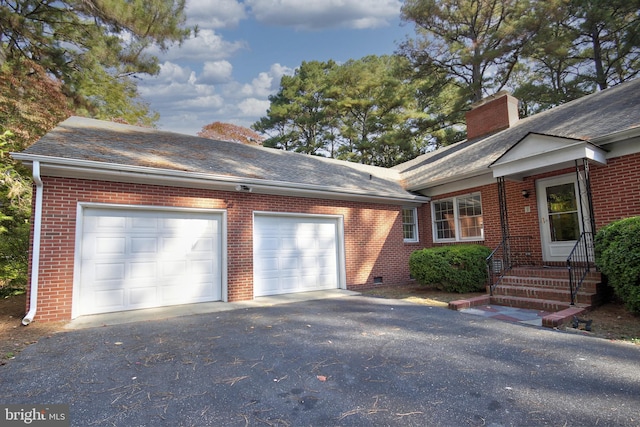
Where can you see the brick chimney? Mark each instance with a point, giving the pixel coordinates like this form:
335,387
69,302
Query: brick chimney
495,113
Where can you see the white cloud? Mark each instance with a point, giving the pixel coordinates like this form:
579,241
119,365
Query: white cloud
201,103
252,107
187,100
173,84
260,86
266,83
215,13
216,72
207,45
174,72
277,71
313,15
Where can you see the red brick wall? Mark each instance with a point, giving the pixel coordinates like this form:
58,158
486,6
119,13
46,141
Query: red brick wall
616,189
373,234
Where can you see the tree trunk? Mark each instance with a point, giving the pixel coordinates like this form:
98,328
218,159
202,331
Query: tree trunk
601,79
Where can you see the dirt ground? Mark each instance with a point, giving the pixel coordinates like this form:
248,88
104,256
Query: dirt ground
610,321
13,336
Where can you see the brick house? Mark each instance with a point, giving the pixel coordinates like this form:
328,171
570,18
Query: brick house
128,218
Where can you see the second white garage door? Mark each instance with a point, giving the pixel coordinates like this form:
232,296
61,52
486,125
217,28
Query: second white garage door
137,258
295,254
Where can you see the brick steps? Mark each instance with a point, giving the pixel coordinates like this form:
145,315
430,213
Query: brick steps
542,293
545,289
561,313
530,303
588,285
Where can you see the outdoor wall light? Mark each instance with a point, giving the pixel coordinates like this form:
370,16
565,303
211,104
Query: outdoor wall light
244,188
525,194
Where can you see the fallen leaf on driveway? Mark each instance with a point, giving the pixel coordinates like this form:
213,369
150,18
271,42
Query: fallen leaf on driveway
321,378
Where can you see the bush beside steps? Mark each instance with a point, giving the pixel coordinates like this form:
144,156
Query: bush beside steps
455,268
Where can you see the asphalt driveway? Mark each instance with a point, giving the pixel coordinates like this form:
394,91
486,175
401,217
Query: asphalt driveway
342,361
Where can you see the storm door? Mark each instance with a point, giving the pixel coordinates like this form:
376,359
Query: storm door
560,216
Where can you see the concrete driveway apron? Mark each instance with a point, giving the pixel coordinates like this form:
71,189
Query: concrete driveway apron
343,361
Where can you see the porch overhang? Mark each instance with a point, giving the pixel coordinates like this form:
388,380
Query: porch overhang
538,153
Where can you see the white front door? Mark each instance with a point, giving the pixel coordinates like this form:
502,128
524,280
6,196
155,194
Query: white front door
560,216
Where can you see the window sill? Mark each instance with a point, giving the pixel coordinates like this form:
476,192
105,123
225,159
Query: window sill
460,241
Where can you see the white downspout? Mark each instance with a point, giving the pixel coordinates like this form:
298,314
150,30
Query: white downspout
35,258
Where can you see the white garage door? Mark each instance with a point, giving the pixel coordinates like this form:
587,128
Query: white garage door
295,254
133,259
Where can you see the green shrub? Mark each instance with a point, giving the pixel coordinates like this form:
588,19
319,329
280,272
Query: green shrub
617,250
456,268
14,256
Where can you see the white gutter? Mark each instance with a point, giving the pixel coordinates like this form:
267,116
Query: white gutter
127,173
35,258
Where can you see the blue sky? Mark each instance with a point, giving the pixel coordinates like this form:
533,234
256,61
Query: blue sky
243,48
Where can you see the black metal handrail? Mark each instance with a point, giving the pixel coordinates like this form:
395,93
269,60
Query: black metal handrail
513,251
579,263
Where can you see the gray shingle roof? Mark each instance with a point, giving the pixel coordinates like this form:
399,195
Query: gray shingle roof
85,139
593,116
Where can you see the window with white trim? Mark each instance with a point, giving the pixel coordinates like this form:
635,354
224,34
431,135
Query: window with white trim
458,218
410,224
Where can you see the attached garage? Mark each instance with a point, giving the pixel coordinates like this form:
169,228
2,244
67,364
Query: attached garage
128,218
132,258
297,253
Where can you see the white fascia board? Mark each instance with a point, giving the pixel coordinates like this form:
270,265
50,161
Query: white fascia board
623,147
101,171
459,185
622,135
454,179
559,157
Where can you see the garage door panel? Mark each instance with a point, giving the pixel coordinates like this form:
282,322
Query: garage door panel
267,244
142,296
107,299
173,293
142,223
306,243
203,245
171,246
288,264
325,243
144,245
108,223
143,270
295,254
107,245
308,263
270,286
147,258
202,267
174,269
102,272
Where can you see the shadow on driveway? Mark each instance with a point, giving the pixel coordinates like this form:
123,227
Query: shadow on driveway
336,362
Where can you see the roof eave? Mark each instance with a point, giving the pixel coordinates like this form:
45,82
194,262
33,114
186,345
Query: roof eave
86,169
614,137
423,185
